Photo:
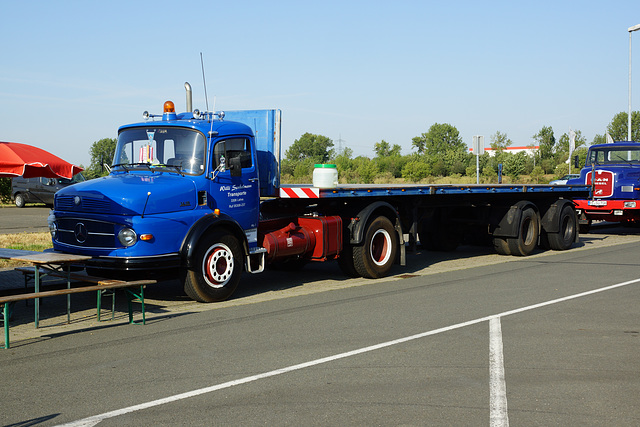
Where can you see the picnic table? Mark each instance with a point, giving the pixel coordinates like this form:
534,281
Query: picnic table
59,264
49,261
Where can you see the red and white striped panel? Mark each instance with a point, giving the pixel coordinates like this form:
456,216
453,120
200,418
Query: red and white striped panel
299,193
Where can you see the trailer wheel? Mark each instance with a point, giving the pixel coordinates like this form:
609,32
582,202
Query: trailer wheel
19,199
217,268
501,246
564,238
528,232
376,256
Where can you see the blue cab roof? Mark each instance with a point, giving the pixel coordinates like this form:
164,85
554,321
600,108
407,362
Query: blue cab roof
205,125
617,144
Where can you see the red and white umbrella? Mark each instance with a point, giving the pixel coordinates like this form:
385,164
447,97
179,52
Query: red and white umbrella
28,161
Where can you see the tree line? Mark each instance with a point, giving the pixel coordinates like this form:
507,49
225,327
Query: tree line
441,153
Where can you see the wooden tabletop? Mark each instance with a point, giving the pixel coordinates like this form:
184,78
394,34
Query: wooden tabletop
41,257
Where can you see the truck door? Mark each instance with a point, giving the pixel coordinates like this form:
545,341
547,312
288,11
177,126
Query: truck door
235,184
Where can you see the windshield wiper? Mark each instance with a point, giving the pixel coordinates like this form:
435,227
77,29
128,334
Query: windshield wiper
122,165
127,166
176,167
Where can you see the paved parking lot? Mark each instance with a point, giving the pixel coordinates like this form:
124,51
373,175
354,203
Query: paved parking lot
30,219
311,348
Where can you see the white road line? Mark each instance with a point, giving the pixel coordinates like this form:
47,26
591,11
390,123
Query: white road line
498,415
92,421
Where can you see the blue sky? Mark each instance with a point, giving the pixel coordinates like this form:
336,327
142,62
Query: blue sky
71,72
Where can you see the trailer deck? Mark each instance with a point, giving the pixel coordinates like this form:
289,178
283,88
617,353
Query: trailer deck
308,191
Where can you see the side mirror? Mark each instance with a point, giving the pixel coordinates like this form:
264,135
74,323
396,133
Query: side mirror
235,166
576,162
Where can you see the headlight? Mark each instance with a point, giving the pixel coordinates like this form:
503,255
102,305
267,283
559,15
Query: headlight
629,204
127,237
53,229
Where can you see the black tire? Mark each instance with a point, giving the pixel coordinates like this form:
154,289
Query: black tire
345,260
501,246
378,252
564,238
19,199
217,268
528,232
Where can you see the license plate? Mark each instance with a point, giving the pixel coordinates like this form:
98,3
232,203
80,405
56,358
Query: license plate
597,203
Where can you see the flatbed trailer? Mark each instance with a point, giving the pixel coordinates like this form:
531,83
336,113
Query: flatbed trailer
198,197
514,218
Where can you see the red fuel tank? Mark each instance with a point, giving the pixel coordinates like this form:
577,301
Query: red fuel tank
287,242
316,238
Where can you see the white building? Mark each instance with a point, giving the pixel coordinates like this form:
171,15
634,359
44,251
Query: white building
529,150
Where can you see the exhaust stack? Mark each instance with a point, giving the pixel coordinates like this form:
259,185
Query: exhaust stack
187,86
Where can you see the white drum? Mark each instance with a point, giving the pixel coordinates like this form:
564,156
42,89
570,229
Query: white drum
325,176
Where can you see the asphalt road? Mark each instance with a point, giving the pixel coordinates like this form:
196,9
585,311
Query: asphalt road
550,339
29,219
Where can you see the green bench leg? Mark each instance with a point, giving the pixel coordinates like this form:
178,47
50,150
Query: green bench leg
6,314
131,296
112,294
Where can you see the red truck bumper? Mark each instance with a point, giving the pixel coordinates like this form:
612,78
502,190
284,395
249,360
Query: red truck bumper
607,210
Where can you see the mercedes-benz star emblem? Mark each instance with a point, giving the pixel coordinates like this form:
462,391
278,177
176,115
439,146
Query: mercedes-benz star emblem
76,200
80,232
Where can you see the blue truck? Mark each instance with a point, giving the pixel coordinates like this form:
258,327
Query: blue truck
197,196
613,173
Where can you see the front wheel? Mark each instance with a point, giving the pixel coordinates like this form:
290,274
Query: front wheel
20,202
376,256
217,268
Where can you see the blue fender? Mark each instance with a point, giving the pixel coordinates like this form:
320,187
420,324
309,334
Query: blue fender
202,227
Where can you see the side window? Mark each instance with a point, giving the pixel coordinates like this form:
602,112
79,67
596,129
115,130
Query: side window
235,148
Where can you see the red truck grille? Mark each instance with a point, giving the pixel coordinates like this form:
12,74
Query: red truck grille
603,183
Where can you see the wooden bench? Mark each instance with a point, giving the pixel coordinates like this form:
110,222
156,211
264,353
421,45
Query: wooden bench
100,287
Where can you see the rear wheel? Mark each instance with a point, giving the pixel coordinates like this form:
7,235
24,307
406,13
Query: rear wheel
376,256
501,246
528,232
217,268
564,238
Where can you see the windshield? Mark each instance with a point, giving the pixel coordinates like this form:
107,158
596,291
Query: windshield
614,155
182,150
76,178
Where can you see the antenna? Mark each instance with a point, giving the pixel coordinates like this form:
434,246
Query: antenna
145,204
204,82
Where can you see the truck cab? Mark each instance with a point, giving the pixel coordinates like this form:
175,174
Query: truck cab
613,172
181,200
